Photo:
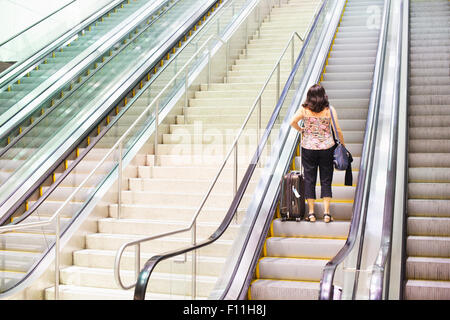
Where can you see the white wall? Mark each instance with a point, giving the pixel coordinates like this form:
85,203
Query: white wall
17,15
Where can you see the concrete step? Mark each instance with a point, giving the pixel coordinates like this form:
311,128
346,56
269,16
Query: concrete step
161,282
100,241
89,258
73,292
150,227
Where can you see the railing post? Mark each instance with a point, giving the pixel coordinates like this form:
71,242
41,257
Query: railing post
258,121
119,182
137,265
57,262
209,67
258,128
235,169
186,78
156,131
227,57
259,22
278,83
246,38
194,261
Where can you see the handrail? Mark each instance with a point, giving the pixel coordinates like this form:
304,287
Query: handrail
213,183
118,145
365,169
36,23
149,266
378,270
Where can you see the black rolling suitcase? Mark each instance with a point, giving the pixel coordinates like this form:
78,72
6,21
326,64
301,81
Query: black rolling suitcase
292,196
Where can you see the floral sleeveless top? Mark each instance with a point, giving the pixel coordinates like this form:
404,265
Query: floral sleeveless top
317,133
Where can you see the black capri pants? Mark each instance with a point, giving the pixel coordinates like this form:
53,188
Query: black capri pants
322,159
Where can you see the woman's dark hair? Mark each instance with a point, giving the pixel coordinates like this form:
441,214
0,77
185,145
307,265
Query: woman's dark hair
316,99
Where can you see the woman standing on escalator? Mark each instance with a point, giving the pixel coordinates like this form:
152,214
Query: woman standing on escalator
317,147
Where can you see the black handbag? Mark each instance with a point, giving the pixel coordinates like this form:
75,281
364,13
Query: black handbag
342,158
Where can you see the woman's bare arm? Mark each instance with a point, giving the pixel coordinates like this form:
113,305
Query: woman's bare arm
296,118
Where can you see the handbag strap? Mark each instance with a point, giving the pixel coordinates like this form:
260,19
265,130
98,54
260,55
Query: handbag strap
333,127
300,153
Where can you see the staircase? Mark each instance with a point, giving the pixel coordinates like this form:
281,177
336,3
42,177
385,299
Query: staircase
164,197
428,226
295,253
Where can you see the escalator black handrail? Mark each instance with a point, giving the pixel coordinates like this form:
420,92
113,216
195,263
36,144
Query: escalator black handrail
19,124
10,74
7,216
377,282
145,274
364,177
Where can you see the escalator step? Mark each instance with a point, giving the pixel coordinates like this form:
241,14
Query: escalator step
264,289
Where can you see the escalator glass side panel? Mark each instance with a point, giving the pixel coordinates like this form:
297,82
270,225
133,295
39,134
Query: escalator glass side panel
13,92
56,127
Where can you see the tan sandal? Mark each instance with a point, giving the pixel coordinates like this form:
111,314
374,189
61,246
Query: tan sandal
311,217
327,218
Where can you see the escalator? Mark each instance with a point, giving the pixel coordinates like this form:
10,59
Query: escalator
294,254
82,118
427,269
